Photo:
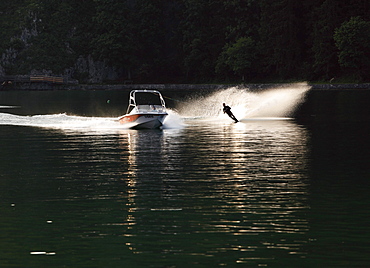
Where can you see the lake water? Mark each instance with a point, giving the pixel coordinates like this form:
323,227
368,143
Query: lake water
79,190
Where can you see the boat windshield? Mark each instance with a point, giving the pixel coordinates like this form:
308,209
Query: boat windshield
146,101
150,108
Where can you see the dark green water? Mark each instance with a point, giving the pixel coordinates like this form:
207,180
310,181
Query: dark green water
203,192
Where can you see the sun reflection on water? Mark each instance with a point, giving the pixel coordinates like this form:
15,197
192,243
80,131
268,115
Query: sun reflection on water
237,187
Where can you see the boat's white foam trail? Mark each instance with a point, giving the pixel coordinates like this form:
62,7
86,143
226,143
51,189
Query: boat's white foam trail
8,107
62,121
81,123
273,103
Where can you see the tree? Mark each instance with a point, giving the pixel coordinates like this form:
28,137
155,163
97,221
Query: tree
241,31
47,29
115,39
241,19
240,57
326,17
133,35
148,17
203,29
282,37
352,39
9,21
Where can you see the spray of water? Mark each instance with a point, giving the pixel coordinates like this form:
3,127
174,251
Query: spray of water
273,103
173,120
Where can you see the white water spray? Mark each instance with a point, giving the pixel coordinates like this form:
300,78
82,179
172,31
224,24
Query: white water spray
173,120
273,103
245,104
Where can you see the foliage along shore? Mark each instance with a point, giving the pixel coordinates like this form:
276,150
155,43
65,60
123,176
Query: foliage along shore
177,87
186,41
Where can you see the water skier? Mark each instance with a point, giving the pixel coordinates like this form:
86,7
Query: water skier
227,110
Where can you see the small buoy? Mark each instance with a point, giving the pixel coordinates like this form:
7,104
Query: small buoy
13,205
108,101
49,221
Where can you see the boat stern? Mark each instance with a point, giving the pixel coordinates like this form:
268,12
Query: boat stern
143,121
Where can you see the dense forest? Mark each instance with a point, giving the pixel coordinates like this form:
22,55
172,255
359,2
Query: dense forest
187,41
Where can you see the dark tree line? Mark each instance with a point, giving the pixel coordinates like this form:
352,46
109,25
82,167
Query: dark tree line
191,40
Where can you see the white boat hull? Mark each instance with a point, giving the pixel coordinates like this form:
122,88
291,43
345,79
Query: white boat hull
143,121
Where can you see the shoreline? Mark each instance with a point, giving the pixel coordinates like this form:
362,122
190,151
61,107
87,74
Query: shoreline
175,87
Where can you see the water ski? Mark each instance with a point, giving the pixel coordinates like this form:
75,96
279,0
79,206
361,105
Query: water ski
230,114
234,118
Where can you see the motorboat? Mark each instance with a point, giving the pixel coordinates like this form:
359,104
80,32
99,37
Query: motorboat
146,110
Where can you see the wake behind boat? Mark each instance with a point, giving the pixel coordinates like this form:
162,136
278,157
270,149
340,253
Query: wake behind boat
146,110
